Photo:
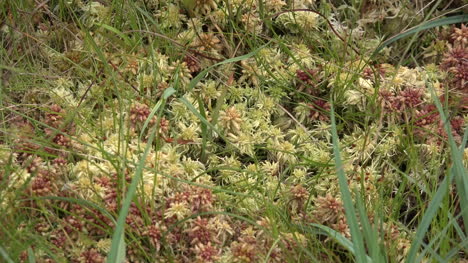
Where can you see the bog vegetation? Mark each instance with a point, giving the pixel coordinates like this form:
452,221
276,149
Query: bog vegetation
233,131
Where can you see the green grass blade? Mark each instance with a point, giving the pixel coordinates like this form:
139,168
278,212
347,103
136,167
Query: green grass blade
204,129
150,117
271,250
458,168
427,219
31,257
5,255
81,202
421,27
118,245
439,235
351,218
200,116
370,233
166,94
339,238
453,252
114,30
121,251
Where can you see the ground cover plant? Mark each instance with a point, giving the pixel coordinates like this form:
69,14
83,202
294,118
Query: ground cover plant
233,131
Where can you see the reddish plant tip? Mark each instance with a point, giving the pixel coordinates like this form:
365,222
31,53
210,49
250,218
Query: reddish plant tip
139,113
319,110
308,76
91,256
192,63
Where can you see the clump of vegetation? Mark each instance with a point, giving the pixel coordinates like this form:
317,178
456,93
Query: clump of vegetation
233,131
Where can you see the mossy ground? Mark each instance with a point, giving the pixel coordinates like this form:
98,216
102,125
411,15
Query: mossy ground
207,126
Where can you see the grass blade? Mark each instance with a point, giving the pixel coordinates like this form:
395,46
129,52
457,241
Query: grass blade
117,252
5,256
127,40
356,233
427,219
31,257
421,27
340,239
370,233
200,116
458,169
166,94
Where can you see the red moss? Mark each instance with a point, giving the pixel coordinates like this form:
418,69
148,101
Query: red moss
199,232
91,256
55,117
192,63
205,253
319,110
427,115
411,97
154,234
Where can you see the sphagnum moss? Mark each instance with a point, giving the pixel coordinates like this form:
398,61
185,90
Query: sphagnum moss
249,174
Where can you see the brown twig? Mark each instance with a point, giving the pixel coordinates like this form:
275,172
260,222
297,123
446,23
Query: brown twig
40,5
88,89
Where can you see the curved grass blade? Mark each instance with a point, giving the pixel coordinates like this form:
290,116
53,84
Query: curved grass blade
77,201
339,238
421,27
